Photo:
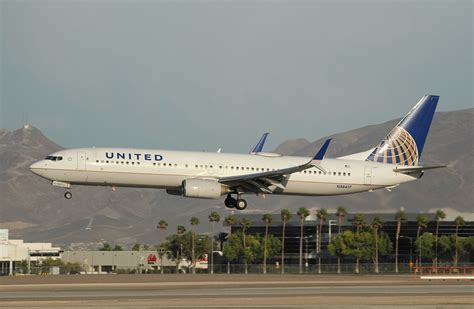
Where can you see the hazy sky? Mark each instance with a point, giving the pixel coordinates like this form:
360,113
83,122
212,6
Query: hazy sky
200,75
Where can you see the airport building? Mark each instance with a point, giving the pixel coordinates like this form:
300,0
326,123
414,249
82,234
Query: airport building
13,251
117,261
407,239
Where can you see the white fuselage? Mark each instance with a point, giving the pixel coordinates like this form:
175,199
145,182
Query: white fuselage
167,169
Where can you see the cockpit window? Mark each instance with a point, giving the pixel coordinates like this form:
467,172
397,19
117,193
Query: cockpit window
54,158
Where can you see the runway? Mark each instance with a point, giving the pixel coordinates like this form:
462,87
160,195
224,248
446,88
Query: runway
237,291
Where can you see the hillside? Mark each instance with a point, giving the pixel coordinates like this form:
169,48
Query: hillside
34,210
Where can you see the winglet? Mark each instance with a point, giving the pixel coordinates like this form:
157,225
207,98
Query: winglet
322,151
261,142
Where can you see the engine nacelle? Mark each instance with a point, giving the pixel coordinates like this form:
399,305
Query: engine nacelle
204,188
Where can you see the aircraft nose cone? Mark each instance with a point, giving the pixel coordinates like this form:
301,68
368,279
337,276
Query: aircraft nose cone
35,167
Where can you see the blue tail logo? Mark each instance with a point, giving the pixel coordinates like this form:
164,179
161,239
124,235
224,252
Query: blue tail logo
404,144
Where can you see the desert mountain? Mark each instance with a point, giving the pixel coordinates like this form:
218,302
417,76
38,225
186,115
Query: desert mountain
34,210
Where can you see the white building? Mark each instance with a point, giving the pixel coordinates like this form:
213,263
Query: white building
15,250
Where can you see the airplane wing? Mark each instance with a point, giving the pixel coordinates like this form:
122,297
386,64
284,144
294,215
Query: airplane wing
414,169
259,146
269,181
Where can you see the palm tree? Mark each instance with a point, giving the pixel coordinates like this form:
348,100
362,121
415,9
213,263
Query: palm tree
267,218
340,213
359,222
322,214
180,229
422,223
377,224
245,223
162,225
302,213
459,221
285,216
194,221
400,217
213,218
230,221
440,215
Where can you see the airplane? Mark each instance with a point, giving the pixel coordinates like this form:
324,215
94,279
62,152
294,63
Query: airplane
210,175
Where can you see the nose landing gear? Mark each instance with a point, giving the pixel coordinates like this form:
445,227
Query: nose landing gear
239,203
68,195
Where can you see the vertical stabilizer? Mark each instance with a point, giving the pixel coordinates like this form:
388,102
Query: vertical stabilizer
404,144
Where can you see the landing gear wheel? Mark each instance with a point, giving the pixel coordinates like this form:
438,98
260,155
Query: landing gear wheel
230,202
241,204
68,195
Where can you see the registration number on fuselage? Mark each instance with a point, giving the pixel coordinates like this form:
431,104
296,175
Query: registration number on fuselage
344,186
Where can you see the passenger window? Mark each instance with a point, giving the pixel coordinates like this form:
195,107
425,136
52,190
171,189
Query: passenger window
339,174
97,161
348,174
344,174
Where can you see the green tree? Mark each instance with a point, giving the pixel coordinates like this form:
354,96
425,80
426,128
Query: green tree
362,246
340,213
230,221
285,216
194,221
136,247
162,226
358,222
400,217
322,215
377,224
180,229
178,247
459,221
117,248
357,251
245,224
267,219
302,214
454,246
214,217
422,223
425,246
234,248
440,215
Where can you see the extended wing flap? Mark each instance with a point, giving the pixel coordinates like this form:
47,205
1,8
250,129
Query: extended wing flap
275,177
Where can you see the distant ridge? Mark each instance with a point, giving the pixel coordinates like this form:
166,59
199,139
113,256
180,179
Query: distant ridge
36,211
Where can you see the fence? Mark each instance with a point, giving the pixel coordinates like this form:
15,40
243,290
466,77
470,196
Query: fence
365,268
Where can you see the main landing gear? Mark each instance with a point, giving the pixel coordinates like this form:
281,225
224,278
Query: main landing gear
239,203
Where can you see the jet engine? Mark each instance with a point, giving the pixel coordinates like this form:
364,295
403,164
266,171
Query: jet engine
204,188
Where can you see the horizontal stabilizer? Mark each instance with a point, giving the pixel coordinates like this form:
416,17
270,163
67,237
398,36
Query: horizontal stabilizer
414,169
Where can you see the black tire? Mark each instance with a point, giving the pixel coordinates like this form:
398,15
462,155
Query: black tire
240,204
230,202
68,195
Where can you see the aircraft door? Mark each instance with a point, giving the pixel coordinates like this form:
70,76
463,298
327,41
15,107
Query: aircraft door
367,175
81,160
